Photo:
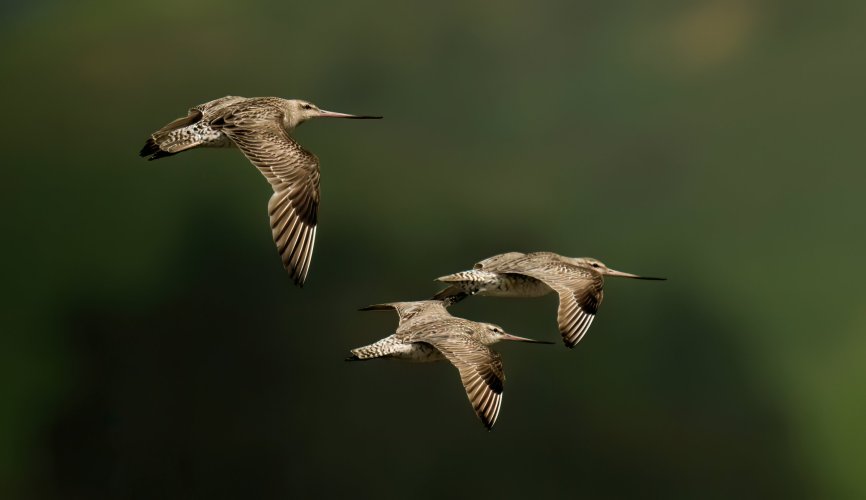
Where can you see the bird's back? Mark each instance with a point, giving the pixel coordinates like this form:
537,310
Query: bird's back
515,261
437,329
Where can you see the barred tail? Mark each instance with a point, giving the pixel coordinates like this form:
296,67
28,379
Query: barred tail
464,284
172,138
466,277
378,349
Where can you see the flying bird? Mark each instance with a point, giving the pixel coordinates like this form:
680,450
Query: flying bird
261,127
427,332
579,282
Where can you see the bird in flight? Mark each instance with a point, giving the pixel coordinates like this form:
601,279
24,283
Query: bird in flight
579,282
427,332
261,127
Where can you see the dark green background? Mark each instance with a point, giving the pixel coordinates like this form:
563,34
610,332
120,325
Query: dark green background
153,347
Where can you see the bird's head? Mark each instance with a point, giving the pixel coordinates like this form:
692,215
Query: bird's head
298,111
492,334
599,267
588,262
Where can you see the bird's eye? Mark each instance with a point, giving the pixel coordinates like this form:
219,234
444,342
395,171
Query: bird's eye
595,264
307,106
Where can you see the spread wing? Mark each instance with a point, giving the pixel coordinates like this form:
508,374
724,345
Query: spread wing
292,172
211,109
492,263
414,312
480,371
580,293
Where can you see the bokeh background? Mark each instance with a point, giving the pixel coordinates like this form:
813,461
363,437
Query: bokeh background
153,347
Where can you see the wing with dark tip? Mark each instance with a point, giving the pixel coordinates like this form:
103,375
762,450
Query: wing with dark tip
580,291
577,308
292,172
480,371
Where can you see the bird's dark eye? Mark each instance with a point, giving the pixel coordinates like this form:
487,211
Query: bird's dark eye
595,264
307,106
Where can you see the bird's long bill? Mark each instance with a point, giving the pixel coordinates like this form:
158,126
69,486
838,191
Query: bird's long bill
332,114
611,272
508,336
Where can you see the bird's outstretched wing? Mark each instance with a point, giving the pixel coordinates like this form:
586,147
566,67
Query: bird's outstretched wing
414,312
292,171
480,371
580,293
497,261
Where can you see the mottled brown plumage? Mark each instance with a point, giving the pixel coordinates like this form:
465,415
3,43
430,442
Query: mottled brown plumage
261,128
579,282
427,332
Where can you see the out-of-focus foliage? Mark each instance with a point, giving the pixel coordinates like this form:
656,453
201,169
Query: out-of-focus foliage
153,347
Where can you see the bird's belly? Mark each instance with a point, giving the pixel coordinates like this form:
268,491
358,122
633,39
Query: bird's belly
417,352
514,285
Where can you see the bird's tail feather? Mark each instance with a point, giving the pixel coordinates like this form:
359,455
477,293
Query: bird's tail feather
179,135
378,349
152,151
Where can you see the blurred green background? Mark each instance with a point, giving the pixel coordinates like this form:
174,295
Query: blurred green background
153,347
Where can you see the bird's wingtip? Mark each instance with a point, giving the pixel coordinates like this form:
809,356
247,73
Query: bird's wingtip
377,307
450,295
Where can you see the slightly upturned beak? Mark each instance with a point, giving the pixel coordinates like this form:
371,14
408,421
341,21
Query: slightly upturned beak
611,272
508,336
332,114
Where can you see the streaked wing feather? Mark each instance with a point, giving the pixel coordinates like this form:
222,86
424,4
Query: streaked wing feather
293,174
422,311
580,293
492,263
212,108
480,371
576,312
